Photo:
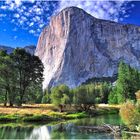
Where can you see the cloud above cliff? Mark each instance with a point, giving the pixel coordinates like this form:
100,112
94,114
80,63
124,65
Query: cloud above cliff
109,10
33,15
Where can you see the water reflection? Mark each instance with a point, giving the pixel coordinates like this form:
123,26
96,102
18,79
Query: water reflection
66,130
59,131
41,133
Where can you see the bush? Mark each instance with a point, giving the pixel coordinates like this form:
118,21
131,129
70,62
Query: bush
137,95
130,115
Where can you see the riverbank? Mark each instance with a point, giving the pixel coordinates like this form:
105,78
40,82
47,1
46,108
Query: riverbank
48,113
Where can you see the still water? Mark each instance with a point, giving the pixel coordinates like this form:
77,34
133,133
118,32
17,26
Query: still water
61,130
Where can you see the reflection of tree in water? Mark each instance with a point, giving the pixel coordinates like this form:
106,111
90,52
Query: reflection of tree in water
62,131
64,127
100,120
15,132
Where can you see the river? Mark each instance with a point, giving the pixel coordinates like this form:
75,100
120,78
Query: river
59,130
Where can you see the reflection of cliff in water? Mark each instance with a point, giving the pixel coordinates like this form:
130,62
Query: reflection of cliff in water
38,133
41,133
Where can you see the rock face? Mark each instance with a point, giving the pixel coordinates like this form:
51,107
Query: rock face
76,47
8,49
30,49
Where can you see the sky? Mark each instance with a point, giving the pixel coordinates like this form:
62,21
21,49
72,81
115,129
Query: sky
21,21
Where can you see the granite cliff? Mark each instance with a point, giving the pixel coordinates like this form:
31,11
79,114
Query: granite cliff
75,47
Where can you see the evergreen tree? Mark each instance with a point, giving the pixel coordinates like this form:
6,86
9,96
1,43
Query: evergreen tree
127,84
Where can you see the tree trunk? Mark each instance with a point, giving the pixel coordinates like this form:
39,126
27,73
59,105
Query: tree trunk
5,99
22,93
10,103
60,108
10,97
20,101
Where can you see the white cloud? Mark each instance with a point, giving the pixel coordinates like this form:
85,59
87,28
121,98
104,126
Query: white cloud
18,2
31,31
16,15
35,17
2,15
31,24
109,10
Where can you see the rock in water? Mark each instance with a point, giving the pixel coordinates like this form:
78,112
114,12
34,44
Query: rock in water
76,47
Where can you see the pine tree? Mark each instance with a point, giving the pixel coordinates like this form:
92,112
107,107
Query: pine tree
127,84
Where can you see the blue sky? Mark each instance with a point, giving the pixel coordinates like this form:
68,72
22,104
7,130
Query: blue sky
21,22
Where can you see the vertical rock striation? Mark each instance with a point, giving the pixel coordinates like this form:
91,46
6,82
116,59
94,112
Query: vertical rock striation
75,47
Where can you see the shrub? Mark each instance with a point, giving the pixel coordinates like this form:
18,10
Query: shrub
130,114
137,95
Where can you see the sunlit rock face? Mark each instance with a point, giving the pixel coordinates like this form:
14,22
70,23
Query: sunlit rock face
76,46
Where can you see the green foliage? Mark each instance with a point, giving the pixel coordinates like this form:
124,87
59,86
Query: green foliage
88,95
29,73
7,78
60,96
112,98
77,115
46,97
21,76
127,84
85,96
105,88
58,115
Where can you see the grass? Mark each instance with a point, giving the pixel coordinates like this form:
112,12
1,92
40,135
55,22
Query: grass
109,106
8,118
28,109
38,118
25,118
27,113
68,115
77,115
47,113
